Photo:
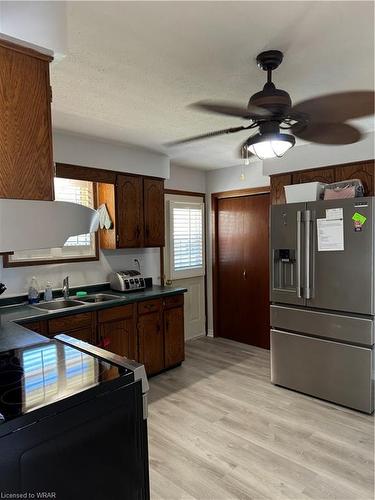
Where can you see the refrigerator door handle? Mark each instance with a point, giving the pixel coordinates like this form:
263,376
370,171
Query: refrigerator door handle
307,253
299,221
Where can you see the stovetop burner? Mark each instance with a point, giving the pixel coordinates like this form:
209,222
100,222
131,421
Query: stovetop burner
37,375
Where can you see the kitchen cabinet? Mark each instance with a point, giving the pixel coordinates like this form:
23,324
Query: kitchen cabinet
153,203
150,332
174,341
150,336
26,162
363,170
136,207
116,330
129,204
81,326
325,175
277,188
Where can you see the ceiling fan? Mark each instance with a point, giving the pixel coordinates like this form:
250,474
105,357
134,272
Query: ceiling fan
320,119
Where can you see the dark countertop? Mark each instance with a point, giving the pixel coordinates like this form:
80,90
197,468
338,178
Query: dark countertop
13,335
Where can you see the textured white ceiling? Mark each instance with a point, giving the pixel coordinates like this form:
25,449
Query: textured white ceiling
133,67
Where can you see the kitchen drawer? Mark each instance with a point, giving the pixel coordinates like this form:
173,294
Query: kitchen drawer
329,370
149,306
116,313
174,301
36,326
67,323
341,327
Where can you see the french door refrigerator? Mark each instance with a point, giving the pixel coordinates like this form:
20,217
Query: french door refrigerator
322,292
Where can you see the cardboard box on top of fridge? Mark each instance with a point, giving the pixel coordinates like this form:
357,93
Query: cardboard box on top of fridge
308,191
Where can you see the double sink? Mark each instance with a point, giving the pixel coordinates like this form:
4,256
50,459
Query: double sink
55,305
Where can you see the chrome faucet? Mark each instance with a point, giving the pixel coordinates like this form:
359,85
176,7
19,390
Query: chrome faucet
65,288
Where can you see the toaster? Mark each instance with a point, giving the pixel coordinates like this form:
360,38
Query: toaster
127,281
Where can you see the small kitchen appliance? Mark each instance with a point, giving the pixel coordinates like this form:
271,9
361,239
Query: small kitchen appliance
127,281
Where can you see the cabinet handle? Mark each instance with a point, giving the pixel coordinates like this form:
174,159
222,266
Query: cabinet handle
244,274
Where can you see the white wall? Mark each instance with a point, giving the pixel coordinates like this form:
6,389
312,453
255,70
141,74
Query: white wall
88,151
186,179
40,23
316,155
93,152
227,179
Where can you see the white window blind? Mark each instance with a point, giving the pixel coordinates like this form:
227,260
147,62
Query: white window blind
82,246
187,239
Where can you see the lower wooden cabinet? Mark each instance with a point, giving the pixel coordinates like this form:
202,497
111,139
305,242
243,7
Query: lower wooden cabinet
174,341
116,330
150,332
151,342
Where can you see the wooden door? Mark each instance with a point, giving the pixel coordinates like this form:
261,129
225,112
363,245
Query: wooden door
116,337
153,199
174,344
243,269
129,211
151,342
26,164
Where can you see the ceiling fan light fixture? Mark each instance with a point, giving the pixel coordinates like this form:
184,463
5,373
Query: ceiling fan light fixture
266,146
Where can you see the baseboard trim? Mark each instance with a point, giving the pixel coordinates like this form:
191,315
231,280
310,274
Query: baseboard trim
210,333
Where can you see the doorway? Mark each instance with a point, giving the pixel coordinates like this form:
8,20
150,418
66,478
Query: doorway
184,255
241,266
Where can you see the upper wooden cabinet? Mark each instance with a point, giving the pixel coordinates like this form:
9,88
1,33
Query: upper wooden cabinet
136,207
26,162
153,202
325,175
363,170
129,207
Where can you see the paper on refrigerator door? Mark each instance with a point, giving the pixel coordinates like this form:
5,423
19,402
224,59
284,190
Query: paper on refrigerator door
330,235
334,213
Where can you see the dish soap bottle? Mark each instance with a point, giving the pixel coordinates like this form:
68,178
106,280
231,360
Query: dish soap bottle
48,292
33,291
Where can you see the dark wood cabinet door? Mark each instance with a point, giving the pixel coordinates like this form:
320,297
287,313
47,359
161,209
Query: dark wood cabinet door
129,212
365,171
37,326
325,175
118,337
151,342
26,163
174,342
153,197
277,188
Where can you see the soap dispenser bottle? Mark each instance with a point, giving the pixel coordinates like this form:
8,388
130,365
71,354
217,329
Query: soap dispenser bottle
33,294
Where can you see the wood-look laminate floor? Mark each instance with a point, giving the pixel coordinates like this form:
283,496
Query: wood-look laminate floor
219,430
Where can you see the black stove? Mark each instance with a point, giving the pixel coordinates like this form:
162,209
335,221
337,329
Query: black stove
73,418
36,376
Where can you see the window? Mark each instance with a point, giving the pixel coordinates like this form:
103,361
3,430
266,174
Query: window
82,247
187,239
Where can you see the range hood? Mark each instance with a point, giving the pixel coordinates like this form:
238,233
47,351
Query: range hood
33,225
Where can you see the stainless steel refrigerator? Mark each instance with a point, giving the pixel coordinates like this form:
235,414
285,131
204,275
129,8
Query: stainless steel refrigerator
322,291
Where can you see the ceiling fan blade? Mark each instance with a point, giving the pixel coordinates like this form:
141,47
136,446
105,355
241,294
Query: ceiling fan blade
230,109
337,107
206,136
327,133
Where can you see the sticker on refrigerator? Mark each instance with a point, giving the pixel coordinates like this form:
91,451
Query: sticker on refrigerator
358,220
334,213
330,235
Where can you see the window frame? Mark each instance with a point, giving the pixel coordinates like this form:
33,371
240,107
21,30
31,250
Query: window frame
8,263
190,272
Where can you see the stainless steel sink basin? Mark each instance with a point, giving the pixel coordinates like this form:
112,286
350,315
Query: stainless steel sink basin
98,297
58,304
